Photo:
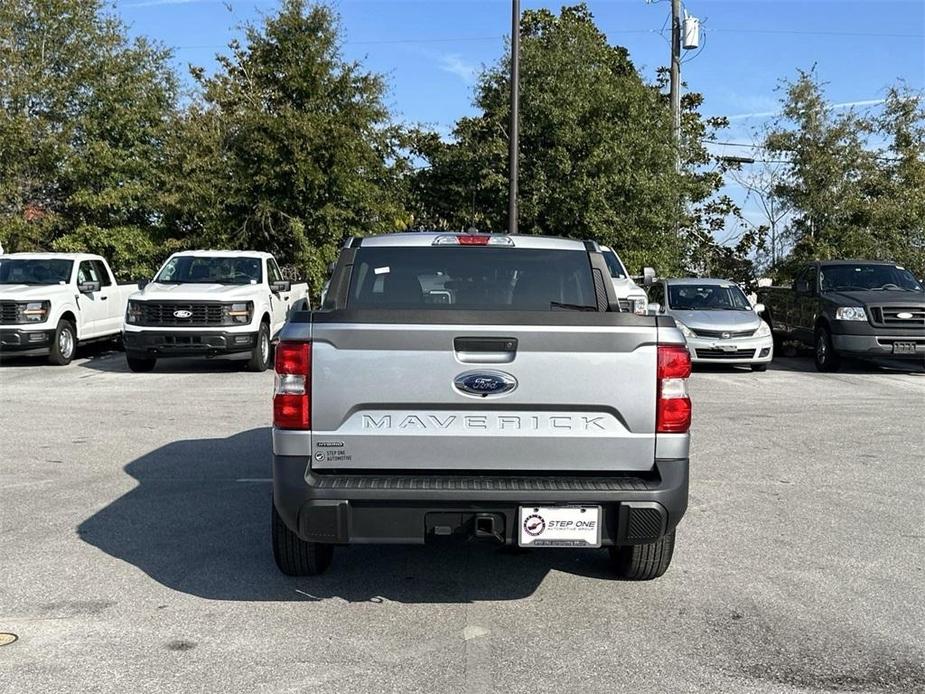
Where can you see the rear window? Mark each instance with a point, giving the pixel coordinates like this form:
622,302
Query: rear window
471,278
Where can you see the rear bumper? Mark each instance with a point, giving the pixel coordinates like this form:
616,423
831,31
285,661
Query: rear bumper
406,509
25,341
187,343
879,345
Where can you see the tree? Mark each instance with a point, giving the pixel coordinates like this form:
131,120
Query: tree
83,117
597,160
290,147
851,198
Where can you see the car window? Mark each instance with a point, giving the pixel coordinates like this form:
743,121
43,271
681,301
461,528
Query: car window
35,271
707,297
86,272
614,266
273,271
861,276
471,278
211,270
101,272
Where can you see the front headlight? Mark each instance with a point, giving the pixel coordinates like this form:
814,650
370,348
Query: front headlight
238,313
133,312
687,332
33,311
764,330
640,305
850,313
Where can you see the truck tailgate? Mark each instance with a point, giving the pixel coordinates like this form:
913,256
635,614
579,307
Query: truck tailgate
385,395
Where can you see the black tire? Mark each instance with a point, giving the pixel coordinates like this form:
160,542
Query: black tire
643,562
64,343
140,364
759,367
260,357
296,557
827,359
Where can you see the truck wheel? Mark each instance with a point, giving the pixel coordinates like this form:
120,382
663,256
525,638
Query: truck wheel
826,357
643,562
140,364
260,357
64,344
296,557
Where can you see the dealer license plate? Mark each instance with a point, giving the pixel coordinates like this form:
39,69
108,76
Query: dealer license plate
560,526
903,348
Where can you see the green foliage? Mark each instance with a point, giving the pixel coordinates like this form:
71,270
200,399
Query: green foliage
849,198
290,148
83,116
597,160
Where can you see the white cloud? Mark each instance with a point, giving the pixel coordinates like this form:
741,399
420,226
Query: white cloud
455,65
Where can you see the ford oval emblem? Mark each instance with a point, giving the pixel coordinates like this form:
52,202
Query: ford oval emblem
484,384
182,314
725,336
905,315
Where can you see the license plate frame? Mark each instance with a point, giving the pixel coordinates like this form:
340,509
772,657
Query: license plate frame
903,348
549,526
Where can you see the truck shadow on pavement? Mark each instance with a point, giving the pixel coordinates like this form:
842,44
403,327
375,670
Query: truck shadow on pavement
199,522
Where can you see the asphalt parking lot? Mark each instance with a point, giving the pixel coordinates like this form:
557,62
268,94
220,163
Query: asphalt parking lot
135,556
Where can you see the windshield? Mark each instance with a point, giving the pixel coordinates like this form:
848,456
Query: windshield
188,269
836,278
617,271
472,278
707,297
35,271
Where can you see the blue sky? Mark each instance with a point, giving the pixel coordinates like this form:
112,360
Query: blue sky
431,50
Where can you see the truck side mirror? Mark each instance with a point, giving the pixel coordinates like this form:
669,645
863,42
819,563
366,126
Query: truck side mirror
280,286
331,267
142,283
655,308
648,276
801,287
88,287
759,308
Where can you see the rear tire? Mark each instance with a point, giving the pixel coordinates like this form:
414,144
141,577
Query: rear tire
643,562
64,344
140,364
827,359
759,367
293,555
260,357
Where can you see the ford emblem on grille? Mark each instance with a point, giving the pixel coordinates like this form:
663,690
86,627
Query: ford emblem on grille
485,383
725,336
182,314
904,315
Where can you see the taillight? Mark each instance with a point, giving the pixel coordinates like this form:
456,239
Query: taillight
673,409
292,392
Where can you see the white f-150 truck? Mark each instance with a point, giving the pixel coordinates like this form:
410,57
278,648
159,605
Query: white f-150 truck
210,303
484,386
49,302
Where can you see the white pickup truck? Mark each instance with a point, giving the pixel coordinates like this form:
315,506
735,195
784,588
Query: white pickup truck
51,301
210,303
630,295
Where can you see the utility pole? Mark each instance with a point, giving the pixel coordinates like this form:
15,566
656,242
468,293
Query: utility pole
676,79
515,116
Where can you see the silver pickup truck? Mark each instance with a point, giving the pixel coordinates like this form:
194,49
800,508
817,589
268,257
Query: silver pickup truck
477,385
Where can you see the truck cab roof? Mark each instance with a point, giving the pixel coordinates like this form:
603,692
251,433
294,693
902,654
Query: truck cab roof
223,254
54,256
430,238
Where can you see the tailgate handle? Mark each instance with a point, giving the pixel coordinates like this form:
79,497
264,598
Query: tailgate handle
485,350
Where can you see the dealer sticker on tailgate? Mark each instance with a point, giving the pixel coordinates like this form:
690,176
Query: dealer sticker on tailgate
560,526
